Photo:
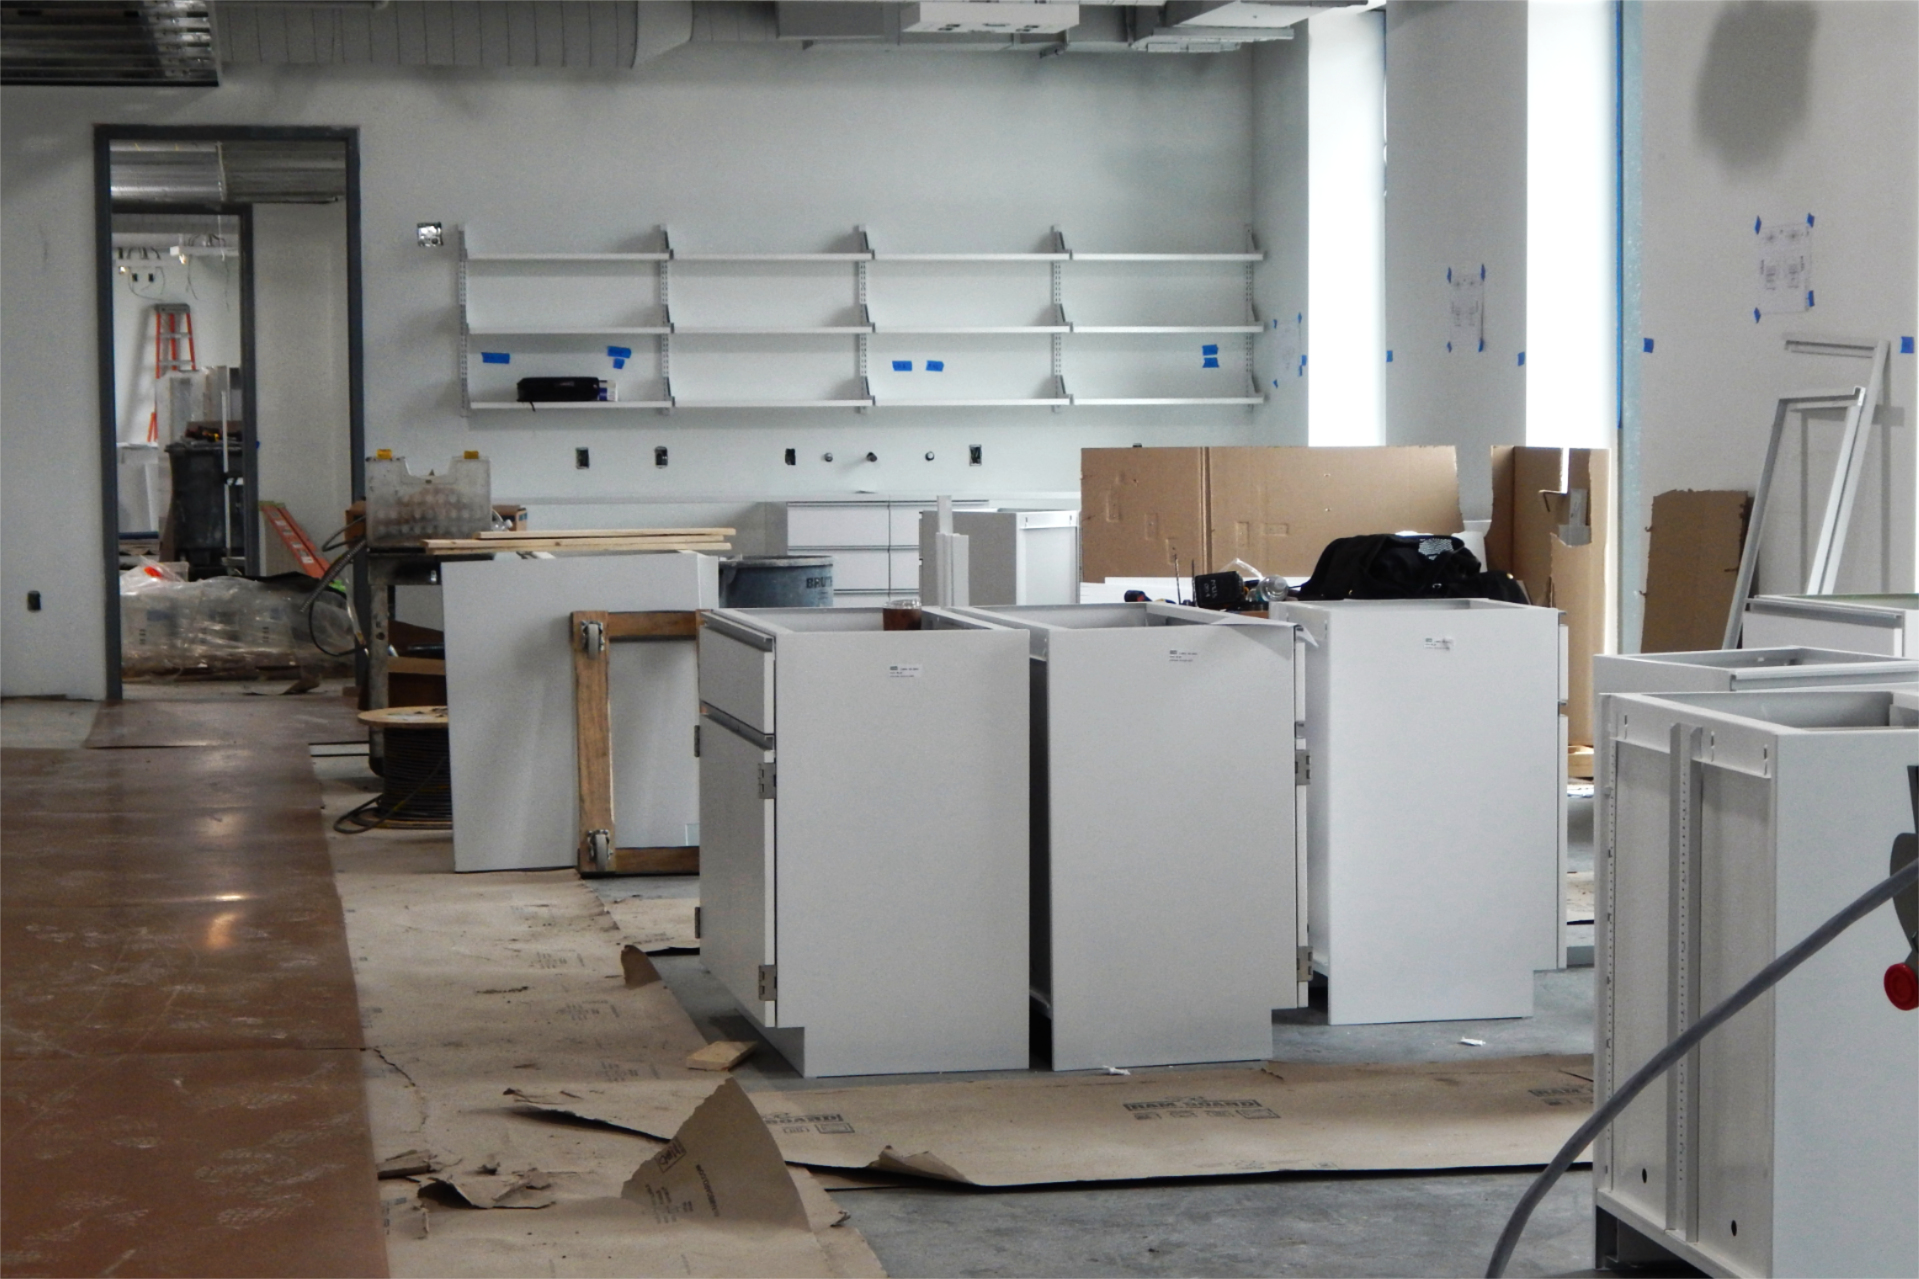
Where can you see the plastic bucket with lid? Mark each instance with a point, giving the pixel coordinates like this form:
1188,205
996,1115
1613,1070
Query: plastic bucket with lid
777,581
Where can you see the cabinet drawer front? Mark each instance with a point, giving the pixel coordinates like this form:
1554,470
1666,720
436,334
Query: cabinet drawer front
860,570
905,572
849,525
737,678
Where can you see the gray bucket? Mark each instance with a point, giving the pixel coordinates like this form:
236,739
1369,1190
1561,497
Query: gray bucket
777,581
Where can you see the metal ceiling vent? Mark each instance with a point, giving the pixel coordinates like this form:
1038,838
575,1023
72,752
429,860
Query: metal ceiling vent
138,42
989,17
267,172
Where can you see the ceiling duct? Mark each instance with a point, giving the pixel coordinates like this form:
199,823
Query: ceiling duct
239,172
134,42
988,17
1220,26
595,35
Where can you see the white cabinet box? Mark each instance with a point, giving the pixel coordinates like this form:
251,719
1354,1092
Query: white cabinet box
1014,557
509,690
1436,827
1744,670
863,860
1886,624
1163,782
1730,826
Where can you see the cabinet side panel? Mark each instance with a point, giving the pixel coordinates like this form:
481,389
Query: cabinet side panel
1639,879
735,852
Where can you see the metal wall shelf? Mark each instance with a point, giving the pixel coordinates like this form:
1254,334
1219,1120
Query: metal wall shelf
506,292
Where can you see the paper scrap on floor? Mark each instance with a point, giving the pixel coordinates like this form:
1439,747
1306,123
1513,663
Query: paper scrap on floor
655,924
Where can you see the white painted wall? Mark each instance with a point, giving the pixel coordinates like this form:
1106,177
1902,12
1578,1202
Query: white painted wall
1775,110
1346,174
300,349
740,147
1456,199
1281,98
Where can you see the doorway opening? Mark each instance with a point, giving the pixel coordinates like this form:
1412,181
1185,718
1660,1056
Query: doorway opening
231,383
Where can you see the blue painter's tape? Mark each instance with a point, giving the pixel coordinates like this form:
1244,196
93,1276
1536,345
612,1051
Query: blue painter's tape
1755,315
1210,362
1755,226
620,352
1211,348
1808,299
1809,219
495,357
1299,318
936,366
1482,270
1449,348
1648,342
1275,381
619,364
1482,344
1389,357
1302,361
902,366
1905,346
1449,275
1522,358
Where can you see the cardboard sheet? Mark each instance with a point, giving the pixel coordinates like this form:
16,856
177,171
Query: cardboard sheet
1143,509
656,924
1277,508
1692,568
1284,1117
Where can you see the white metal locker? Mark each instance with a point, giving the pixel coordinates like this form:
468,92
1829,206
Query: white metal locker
1164,781
1436,830
864,838
1732,825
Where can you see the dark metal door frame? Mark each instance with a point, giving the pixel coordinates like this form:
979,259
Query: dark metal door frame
104,135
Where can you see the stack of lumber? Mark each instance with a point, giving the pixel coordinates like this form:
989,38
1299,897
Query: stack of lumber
585,539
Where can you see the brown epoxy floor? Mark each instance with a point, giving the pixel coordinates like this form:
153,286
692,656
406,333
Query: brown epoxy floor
182,1087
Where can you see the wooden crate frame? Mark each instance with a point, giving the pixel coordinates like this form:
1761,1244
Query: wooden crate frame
592,634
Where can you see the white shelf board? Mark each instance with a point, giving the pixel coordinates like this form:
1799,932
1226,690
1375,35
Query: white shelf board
1168,257
569,406
769,330
1012,403
958,330
773,404
650,331
972,257
772,257
1166,328
480,259
1110,401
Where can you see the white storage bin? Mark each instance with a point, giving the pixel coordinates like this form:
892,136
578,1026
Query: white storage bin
1733,824
1436,806
1884,624
1163,773
863,798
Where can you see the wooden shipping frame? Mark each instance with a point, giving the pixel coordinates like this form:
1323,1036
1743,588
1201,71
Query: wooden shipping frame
591,634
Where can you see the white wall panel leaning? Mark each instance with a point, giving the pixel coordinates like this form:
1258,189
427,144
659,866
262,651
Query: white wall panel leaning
1731,825
1152,724
509,682
1435,829
1887,624
864,837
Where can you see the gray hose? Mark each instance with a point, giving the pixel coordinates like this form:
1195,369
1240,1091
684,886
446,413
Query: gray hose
1663,1060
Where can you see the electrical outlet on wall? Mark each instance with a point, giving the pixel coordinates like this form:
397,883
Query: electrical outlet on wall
659,455
974,454
582,458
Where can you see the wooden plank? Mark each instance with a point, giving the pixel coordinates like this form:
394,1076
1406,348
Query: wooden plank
656,625
468,546
416,666
509,535
593,737
657,861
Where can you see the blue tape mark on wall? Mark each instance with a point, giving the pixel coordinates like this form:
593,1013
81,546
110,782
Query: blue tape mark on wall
1905,346
1755,315
495,357
1449,347
619,364
1275,381
1522,358
1648,342
620,352
1808,299
1809,219
902,366
1755,226
1211,348
936,366
1210,362
1449,275
1482,270
1482,344
1389,357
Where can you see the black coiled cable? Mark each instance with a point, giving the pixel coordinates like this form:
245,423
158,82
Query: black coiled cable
418,794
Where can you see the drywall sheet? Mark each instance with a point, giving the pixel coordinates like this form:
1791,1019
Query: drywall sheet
1692,567
1551,524
509,681
1144,512
1282,1117
1277,508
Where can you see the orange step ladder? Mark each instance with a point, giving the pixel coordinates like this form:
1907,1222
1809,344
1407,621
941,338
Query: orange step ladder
294,538
172,325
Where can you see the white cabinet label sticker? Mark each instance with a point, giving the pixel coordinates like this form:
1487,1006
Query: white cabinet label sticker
1182,655
902,670
1439,641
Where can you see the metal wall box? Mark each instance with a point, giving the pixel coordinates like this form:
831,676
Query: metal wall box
1731,825
863,863
509,688
1164,806
1436,831
1015,557
1886,624
1745,670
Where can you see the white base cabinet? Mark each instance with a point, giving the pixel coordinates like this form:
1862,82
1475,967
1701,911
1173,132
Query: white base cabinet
1884,624
1014,557
1163,783
1436,820
1744,670
863,797
1731,825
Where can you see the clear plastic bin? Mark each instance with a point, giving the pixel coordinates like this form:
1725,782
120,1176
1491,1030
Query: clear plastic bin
404,509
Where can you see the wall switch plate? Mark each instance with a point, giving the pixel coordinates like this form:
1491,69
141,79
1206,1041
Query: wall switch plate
659,455
792,457
582,458
974,454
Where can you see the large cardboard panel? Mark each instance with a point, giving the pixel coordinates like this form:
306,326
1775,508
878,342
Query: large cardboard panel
1277,508
1144,512
1692,567
1579,586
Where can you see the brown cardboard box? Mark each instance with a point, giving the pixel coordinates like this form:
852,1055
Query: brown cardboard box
1553,539
1277,508
1692,566
1143,509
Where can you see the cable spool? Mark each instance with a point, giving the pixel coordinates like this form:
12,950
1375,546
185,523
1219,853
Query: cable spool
417,792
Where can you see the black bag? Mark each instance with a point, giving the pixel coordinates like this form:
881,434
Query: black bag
1405,566
558,390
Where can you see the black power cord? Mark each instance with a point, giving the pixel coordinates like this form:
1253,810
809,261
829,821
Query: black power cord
1663,1060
